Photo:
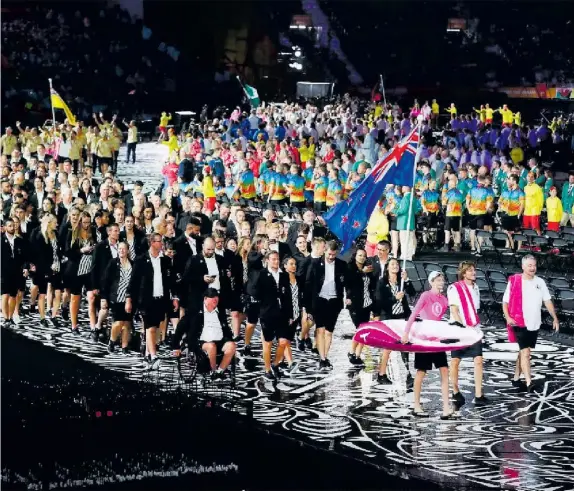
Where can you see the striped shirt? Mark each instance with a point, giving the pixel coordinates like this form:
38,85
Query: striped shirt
86,260
125,276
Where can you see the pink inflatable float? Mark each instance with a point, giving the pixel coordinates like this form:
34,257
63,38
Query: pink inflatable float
424,337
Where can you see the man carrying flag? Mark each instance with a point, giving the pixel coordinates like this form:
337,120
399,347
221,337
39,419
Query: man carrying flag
348,218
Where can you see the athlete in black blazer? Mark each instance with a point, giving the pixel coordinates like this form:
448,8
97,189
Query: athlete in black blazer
13,267
325,311
141,295
193,324
197,279
273,292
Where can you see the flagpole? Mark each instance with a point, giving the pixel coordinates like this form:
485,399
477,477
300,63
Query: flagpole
383,88
51,104
242,86
406,253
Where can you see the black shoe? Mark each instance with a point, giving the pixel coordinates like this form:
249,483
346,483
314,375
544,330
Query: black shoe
308,343
237,338
276,372
531,387
283,365
111,346
95,335
44,323
269,375
519,384
410,380
458,398
328,364
352,358
65,313
481,401
247,350
384,380
125,351
55,322
76,331
301,345
322,365
315,350
32,310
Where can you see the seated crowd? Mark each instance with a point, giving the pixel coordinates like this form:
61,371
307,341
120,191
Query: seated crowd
236,225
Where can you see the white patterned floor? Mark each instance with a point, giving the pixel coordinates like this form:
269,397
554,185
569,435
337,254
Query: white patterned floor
518,441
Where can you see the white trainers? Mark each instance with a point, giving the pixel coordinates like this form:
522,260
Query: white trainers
16,319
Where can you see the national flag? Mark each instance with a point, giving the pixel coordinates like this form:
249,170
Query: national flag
58,103
252,95
348,218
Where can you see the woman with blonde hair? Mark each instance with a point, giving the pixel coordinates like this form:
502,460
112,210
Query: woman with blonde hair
46,263
80,245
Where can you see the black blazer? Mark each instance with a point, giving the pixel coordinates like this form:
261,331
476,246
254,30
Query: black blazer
254,267
12,266
140,289
73,253
102,256
110,280
183,251
384,300
316,277
356,287
193,285
193,324
42,254
274,300
377,268
302,264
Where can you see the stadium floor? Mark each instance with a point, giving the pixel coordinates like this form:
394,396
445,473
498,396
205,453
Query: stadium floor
518,441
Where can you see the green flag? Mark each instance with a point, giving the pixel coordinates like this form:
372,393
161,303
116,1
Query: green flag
253,95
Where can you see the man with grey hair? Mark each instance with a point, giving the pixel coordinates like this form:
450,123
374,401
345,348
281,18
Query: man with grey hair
521,304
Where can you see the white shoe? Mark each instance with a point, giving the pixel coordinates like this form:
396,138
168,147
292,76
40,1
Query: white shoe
16,319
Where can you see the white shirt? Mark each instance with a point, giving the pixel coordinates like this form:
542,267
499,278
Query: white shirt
329,290
213,270
157,279
534,294
454,299
220,252
275,275
114,250
192,245
212,330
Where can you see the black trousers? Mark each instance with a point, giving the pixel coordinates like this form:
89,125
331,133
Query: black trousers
132,152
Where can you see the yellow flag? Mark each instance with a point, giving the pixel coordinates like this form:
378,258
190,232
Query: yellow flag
58,103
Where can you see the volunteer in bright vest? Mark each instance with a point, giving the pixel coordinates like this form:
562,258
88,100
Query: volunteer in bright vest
533,204
464,302
521,305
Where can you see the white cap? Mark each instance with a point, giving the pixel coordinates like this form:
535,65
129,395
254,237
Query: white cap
433,275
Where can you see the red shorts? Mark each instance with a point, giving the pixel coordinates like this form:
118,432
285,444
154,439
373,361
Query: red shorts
488,121
209,204
370,249
163,130
555,226
531,222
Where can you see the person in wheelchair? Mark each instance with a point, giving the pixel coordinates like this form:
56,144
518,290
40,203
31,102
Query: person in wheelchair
208,331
